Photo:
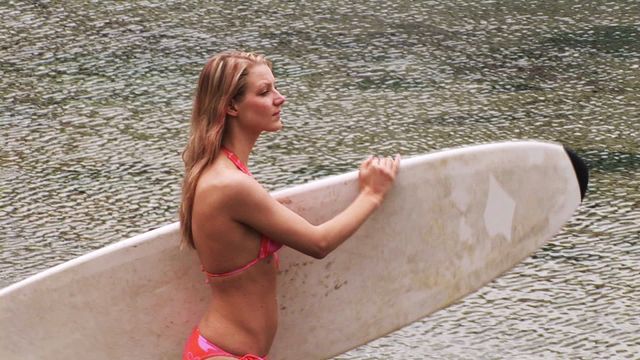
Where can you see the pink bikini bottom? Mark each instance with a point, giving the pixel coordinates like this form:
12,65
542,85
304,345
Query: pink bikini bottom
199,348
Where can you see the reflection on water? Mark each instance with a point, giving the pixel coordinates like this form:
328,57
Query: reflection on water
96,97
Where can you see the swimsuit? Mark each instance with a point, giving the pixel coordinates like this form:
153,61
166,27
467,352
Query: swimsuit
198,347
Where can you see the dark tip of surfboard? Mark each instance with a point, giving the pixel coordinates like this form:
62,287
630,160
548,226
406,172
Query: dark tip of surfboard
581,170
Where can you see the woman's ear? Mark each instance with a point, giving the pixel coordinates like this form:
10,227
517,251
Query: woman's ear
231,109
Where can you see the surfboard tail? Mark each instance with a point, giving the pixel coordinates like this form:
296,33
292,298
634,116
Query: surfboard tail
581,169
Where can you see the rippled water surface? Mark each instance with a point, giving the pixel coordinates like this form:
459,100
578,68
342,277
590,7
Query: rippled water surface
95,99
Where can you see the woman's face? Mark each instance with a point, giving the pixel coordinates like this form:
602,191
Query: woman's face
259,109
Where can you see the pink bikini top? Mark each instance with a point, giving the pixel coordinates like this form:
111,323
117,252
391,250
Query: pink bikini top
268,247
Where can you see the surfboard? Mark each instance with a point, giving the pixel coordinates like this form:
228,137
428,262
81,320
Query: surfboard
455,220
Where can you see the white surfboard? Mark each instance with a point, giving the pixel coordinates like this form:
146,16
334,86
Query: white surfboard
455,220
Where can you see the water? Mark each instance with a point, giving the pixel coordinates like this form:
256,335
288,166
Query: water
96,100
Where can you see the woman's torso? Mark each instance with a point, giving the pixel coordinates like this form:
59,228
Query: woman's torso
242,315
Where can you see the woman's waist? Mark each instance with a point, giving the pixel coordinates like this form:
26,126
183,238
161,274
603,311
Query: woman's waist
242,327
247,311
240,333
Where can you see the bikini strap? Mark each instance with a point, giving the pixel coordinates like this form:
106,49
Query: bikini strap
265,251
236,161
229,273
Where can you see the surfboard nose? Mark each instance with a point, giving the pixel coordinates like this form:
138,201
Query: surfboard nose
581,170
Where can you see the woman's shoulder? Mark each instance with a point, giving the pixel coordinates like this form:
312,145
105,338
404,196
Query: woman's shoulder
221,181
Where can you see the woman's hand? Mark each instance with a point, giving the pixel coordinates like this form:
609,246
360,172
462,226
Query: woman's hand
377,176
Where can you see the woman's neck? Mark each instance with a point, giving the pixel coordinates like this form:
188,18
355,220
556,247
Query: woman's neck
239,143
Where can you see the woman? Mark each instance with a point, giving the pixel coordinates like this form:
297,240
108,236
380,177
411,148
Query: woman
229,218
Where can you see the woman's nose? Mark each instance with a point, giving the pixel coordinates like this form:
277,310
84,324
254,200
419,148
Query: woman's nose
280,99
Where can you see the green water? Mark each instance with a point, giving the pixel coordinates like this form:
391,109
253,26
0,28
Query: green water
96,98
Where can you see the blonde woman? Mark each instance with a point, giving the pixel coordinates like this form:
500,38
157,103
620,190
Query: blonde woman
231,220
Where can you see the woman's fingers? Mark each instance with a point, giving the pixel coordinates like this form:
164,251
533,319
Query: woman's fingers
396,164
388,164
367,162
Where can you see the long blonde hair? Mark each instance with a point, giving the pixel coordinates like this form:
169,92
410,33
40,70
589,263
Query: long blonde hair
222,80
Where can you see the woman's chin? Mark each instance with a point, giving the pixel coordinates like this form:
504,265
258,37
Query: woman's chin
276,127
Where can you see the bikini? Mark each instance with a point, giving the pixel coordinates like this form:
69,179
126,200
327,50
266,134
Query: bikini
198,347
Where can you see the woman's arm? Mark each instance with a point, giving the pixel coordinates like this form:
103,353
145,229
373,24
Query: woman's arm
252,205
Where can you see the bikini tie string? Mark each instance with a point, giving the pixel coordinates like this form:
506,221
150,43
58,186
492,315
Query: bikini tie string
251,357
